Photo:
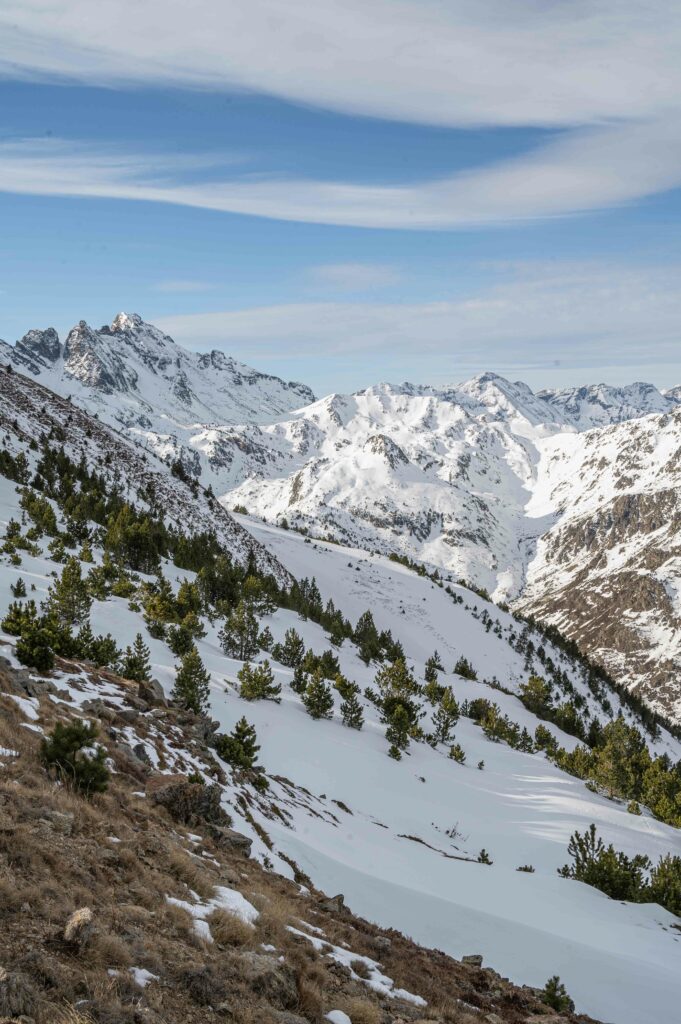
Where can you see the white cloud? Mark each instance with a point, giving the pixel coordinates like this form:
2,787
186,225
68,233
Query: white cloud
355,277
540,322
580,171
450,62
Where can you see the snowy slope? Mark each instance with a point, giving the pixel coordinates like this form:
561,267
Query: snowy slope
475,478
381,831
28,410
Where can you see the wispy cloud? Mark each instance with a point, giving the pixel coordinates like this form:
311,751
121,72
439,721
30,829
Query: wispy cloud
537,321
355,277
463,62
576,172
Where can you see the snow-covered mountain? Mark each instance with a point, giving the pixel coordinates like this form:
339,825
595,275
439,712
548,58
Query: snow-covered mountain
133,374
401,839
562,501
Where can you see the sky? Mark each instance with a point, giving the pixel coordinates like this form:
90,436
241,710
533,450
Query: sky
351,191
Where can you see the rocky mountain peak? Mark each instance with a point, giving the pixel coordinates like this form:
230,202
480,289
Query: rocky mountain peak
126,322
39,350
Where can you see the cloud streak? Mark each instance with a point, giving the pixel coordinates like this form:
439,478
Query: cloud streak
538,321
577,172
455,63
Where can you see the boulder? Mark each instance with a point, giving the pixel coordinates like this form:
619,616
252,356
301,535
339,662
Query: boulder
79,927
333,904
230,839
58,821
151,692
269,979
191,803
472,959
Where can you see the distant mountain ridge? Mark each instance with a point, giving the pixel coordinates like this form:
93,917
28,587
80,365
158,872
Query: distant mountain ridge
142,378
564,502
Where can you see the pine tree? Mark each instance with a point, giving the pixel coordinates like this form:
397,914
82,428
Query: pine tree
292,651
457,753
366,637
239,635
85,640
351,712
464,668
19,588
85,553
265,639
536,696
445,718
192,684
64,751
396,680
240,748
69,600
300,680
555,996
433,666
397,732
136,664
317,698
257,683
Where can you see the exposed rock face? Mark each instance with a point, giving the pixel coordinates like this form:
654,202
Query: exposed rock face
38,350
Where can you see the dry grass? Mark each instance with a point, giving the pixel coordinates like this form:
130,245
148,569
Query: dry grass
362,1011
276,912
189,871
228,929
360,968
310,1000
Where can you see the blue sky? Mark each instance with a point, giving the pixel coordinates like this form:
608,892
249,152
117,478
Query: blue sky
416,191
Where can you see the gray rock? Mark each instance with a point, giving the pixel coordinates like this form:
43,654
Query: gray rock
334,904
151,692
473,959
270,979
230,839
382,943
98,708
61,822
140,751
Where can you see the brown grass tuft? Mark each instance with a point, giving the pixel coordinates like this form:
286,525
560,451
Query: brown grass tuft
363,1011
228,929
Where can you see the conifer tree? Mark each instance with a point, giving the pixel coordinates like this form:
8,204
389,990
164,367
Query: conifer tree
397,732
136,664
257,682
433,666
366,637
351,712
69,600
240,748
192,684
19,588
239,635
292,651
85,640
457,753
300,680
64,751
265,639
85,553
445,718
317,698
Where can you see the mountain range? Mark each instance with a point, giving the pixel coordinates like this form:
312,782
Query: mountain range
562,503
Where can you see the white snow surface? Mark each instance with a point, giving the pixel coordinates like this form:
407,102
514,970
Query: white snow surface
400,839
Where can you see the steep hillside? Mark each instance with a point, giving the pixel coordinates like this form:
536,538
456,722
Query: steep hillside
29,412
431,840
608,571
